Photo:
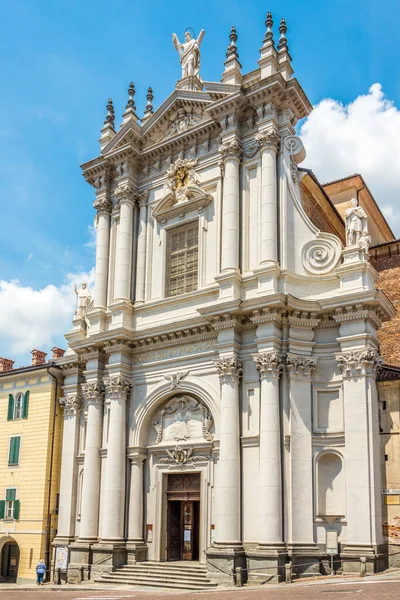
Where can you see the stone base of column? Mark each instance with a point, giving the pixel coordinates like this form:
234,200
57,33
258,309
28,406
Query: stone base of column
80,555
305,559
268,278
136,551
351,555
106,556
121,314
230,283
97,320
266,563
222,561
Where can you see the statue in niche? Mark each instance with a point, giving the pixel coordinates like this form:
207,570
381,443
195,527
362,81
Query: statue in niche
356,223
189,53
83,298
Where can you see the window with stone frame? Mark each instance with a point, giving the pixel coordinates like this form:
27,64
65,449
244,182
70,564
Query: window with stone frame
9,508
182,259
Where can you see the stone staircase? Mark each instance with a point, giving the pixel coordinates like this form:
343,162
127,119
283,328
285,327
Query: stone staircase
182,575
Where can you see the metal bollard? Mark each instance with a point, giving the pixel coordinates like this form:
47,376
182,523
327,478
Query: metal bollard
288,573
58,582
239,577
363,566
82,572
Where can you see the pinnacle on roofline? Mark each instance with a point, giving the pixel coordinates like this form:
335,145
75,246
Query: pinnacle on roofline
149,106
110,117
232,48
269,34
131,101
282,44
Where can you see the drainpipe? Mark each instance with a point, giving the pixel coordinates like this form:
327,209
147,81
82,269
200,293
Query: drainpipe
50,480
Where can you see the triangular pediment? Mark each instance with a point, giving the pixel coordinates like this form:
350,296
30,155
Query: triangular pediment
129,133
181,111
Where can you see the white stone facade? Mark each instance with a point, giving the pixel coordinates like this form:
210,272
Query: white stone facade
258,372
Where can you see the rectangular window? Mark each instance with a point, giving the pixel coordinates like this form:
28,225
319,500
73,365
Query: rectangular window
19,406
10,504
182,260
14,451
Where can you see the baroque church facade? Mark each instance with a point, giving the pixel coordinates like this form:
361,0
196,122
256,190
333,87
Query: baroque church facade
220,400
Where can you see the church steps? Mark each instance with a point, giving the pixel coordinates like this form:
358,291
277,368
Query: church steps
158,575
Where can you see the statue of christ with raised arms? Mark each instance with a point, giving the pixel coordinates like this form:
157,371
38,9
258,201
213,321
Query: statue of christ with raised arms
189,53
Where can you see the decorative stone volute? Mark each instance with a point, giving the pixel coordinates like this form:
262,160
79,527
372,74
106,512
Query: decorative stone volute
354,364
229,368
269,364
300,366
72,404
93,392
118,387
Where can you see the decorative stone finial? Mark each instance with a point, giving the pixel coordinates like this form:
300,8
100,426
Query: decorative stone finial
149,105
110,117
232,48
269,35
282,44
131,92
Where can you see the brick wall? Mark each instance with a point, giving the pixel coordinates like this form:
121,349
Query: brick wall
317,215
386,260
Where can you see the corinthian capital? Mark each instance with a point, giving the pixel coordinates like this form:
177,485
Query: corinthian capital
364,362
268,139
125,193
118,387
230,149
72,404
229,368
93,392
269,364
300,366
102,205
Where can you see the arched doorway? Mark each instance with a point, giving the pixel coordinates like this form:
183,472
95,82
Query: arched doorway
9,560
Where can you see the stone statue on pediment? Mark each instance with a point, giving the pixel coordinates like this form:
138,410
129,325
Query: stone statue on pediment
189,53
356,223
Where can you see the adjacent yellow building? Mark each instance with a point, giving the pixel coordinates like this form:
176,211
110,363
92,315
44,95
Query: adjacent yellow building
30,456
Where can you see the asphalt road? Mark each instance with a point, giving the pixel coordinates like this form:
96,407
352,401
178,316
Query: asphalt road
388,589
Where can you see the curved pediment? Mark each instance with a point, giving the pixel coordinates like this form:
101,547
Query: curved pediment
182,191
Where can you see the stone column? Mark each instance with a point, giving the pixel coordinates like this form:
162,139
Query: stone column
66,517
93,392
363,477
269,365
301,528
136,546
228,524
231,154
141,250
123,259
103,207
118,388
269,142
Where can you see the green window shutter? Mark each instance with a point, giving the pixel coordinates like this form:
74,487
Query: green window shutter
13,457
11,494
2,508
26,405
16,510
10,414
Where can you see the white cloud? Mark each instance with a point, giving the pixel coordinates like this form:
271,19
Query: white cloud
31,318
360,137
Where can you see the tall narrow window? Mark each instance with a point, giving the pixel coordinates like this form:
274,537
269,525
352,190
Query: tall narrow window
19,406
14,450
182,260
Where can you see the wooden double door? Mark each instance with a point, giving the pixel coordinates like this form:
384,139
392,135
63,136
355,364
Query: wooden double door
183,516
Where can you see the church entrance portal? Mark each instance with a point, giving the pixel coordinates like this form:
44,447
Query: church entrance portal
183,515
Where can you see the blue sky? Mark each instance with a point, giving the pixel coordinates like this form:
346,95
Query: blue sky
60,60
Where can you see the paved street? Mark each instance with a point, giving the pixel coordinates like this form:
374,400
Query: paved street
387,588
